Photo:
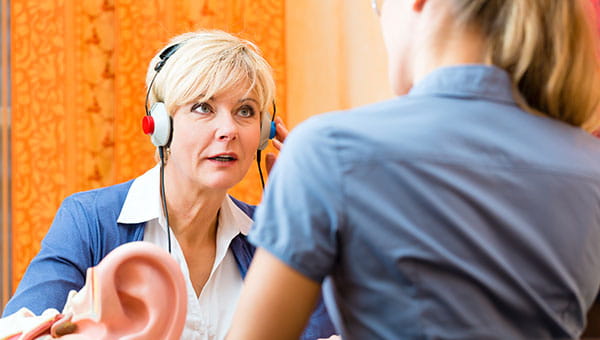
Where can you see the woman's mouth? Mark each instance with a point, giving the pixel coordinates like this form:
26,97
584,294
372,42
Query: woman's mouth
223,158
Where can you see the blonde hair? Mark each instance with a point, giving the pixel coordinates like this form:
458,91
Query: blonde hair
550,49
205,63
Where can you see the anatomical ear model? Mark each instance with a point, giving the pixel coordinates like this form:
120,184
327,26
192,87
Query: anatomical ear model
136,292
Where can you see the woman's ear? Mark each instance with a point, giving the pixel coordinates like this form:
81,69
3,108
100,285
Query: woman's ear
136,292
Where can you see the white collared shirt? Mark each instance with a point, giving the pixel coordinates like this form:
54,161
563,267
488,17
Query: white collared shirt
209,315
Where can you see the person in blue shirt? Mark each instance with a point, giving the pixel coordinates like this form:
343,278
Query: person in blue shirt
209,106
465,208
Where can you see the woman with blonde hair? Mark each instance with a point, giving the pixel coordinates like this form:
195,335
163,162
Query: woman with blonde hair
209,107
465,208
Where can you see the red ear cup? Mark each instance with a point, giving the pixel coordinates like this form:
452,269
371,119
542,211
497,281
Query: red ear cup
161,124
148,125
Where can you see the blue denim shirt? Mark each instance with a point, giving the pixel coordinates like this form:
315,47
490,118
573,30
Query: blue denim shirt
448,213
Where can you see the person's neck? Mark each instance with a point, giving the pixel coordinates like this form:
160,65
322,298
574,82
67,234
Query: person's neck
193,213
460,48
443,41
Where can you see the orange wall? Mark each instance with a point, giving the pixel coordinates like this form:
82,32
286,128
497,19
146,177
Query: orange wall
335,57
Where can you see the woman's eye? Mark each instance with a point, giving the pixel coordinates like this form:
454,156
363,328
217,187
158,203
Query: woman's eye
246,112
201,108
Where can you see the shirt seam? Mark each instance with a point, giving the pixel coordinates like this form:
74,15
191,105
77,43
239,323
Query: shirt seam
341,175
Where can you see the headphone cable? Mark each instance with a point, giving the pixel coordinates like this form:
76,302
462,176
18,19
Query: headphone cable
161,153
259,152
262,180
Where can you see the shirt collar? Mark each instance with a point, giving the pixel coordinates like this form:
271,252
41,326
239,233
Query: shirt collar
467,81
143,204
231,215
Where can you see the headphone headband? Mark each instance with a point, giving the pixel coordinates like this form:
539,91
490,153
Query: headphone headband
165,55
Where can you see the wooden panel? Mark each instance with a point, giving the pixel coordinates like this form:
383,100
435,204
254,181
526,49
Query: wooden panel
336,60
366,65
314,64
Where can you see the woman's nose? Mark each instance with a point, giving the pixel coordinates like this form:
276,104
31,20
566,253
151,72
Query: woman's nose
226,128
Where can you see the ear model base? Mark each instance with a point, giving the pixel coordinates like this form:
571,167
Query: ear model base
158,125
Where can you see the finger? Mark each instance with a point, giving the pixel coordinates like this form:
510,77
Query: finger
270,159
281,130
277,144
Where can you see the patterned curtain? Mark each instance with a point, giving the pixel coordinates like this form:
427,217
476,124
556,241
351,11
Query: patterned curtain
77,84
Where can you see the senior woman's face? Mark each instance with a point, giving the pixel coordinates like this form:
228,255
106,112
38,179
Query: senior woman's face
215,141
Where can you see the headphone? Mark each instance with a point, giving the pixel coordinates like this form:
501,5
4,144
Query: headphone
158,123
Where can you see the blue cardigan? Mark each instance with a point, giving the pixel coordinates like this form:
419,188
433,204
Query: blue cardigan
84,231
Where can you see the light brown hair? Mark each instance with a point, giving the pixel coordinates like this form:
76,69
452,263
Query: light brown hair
549,47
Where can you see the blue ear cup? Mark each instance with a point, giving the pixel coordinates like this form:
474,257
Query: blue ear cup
273,130
267,131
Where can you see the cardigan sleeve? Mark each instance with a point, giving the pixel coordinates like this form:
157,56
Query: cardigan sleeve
61,264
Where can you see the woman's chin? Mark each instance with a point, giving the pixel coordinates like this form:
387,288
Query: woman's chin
222,182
